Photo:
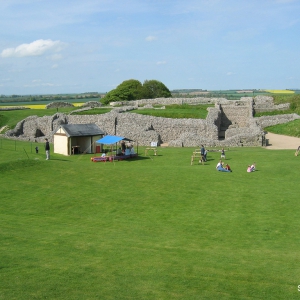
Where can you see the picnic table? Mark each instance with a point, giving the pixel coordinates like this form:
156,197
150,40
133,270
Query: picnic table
150,149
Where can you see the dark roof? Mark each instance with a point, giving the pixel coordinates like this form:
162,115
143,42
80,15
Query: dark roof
82,129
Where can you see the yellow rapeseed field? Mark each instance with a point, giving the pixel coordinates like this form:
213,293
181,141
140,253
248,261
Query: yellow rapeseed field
36,106
280,91
39,106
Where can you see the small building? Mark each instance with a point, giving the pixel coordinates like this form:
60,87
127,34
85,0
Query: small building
77,138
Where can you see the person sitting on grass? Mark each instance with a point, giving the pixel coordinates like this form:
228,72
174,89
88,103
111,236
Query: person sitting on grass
249,169
220,164
220,167
227,167
253,167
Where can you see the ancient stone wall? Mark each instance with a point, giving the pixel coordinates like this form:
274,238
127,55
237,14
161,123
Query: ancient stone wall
241,129
266,121
264,104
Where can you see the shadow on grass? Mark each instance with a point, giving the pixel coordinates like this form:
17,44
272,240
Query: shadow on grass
136,158
60,159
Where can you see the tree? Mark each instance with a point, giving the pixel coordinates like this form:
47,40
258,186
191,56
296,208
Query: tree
155,89
133,90
128,90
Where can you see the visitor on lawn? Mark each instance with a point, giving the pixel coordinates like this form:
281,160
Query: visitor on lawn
249,169
123,147
202,152
220,164
205,154
220,167
47,148
227,167
223,153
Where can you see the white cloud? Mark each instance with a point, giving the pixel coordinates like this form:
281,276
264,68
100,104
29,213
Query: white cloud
151,38
36,48
161,62
229,73
55,66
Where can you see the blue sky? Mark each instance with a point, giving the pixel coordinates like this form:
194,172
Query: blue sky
93,45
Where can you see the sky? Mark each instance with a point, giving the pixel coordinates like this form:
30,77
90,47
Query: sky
64,46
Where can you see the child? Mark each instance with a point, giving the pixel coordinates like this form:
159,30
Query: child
223,153
227,167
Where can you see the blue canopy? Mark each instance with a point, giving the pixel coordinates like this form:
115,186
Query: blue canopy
111,139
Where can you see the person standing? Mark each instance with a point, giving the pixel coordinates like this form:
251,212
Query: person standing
123,147
223,153
202,152
47,148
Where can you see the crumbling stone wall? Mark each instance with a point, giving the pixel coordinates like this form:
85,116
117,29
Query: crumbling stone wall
266,121
58,105
264,103
241,128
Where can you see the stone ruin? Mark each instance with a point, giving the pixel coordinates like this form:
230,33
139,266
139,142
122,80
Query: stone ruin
58,105
229,123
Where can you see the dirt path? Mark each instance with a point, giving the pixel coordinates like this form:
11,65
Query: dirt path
277,141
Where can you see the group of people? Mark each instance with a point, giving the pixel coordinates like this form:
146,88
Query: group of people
125,149
220,167
203,153
226,168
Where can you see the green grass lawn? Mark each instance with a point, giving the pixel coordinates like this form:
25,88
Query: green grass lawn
291,128
12,117
177,111
150,228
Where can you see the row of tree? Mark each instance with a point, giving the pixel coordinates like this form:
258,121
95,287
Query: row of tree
134,90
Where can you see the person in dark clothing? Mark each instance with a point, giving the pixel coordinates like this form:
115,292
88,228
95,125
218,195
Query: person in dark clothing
47,148
123,147
203,153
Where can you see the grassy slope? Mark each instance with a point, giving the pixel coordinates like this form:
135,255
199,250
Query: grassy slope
12,117
153,228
